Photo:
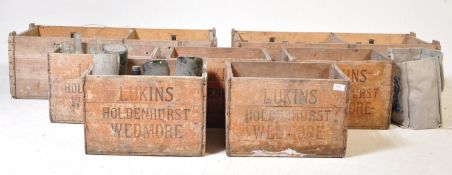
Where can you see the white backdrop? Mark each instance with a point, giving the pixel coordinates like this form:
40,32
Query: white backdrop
31,145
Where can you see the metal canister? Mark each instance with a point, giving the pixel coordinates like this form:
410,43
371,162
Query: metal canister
136,70
94,47
120,49
77,43
188,66
156,67
105,64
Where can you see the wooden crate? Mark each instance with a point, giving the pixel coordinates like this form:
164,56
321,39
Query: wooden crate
145,115
66,86
216,58
66,72
286,109
371,78
325,39
28,51
139,41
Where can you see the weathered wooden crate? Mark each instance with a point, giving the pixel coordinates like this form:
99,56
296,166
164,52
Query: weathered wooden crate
325,39
371,77
66,72
286,109
139,41
145,115
66,86
216,58
28,65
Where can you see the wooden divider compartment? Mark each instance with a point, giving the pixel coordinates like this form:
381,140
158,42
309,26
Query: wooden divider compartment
371,78
139,41
66,72
328,40
145,115
28,51
216,58
286,109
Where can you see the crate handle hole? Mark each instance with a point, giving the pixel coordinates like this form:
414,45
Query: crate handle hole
173,37
272,39
371,41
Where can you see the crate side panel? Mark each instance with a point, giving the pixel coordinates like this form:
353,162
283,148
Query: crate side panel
370,93
66,86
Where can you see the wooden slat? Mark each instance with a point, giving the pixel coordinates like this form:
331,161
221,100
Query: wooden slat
12,64
86,32
180,34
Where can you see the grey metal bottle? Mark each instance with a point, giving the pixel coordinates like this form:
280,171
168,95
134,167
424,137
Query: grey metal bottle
120,49
189,66
77,43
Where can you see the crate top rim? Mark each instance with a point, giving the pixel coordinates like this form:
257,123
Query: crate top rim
291,50
263,51
237,36
128,29
332,65
326,33
202,77
221,48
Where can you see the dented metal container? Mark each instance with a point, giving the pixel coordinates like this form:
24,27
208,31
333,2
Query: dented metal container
145,115
216,58
371,74
378,41
286,109
28,51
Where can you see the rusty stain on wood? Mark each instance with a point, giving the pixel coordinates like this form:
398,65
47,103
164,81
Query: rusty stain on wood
286,109
145,115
